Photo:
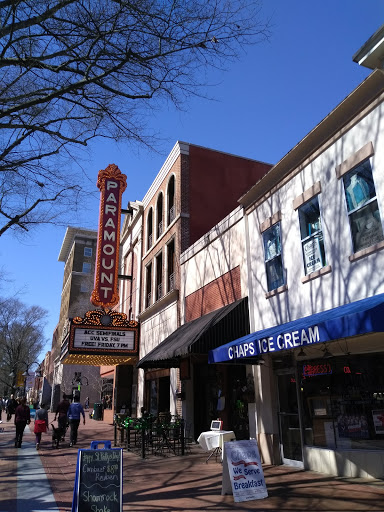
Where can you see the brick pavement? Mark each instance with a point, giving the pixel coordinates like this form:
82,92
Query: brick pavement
173,484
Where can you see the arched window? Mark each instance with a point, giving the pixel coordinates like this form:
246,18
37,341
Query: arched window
150,229
171,200
159,216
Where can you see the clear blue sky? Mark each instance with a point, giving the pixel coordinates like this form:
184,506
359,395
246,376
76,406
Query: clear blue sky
264,105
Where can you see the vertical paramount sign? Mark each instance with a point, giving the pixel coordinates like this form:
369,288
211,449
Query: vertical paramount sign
112,184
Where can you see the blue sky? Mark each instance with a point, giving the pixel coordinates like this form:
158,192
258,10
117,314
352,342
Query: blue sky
264,105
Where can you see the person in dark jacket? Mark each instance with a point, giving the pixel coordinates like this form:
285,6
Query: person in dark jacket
22,418
74,412
11,407
61,412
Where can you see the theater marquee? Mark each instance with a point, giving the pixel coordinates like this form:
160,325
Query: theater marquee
101,338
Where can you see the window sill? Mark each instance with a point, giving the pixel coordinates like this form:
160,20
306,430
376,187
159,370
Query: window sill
366,252
321,272
272,293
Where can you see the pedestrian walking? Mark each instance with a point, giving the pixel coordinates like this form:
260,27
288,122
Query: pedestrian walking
11,407
86,403
61,413
74,412
22,418
41,424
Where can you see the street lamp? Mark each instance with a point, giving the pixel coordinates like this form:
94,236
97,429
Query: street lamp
26,373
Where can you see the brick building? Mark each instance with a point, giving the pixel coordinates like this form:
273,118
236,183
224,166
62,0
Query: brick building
195,188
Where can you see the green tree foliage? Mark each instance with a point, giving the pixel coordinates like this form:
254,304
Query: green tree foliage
72,70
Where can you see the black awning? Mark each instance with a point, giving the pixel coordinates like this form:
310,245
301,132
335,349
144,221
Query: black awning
199,336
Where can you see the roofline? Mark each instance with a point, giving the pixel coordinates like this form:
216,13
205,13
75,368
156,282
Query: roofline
70,234
356,102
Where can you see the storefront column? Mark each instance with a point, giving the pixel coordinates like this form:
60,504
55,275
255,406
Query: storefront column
266,413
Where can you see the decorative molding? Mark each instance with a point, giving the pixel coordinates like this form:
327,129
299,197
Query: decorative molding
366,252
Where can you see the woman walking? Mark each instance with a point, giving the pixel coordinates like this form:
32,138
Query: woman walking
41,424
22,417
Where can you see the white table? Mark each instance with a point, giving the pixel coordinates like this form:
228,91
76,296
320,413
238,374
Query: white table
213,441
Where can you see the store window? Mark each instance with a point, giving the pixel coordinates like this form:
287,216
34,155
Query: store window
343,402
363,210
312,240
273,258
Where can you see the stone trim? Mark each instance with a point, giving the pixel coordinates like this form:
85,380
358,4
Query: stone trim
362,154
313,275
270,221
272,293
307,195
366,252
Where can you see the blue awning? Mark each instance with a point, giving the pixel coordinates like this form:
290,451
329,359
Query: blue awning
357,318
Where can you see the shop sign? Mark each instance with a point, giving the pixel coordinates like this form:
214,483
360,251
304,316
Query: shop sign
112,184
244,470
378,421
284,341
312,255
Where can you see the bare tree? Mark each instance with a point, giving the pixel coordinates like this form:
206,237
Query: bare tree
21,339
72,70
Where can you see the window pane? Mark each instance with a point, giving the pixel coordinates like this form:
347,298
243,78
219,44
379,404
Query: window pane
275,275
366,227
88,251
309,216
272,245
358,185
86,268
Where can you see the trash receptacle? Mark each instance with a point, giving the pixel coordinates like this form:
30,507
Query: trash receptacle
98,411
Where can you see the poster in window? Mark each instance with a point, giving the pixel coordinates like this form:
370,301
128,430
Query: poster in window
353,426
312,255
378,420
366,227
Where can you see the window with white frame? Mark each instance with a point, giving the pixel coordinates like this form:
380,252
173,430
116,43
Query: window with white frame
312,240
273,257
86,267
88,252
363,211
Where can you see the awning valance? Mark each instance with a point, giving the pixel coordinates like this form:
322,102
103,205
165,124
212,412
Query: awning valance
199,336
357,318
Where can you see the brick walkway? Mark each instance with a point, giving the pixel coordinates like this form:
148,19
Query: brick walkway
174,484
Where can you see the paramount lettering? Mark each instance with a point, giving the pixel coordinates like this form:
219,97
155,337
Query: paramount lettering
111,184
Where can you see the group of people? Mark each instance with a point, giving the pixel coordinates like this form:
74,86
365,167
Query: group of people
66,413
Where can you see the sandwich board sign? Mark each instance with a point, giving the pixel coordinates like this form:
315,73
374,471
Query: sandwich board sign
242,471
98,481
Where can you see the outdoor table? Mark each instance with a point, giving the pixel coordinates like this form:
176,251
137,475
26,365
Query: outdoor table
213,441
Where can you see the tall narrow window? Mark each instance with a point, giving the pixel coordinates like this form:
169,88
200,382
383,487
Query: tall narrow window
171,200
148,286
363,210
159,276
150,229
159,213
312,241
272,256
171,266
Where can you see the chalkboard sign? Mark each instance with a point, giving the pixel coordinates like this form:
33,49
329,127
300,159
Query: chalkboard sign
98,483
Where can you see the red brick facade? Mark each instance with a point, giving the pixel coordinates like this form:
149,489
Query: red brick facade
219,293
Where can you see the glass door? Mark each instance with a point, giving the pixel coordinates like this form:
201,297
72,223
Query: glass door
291,446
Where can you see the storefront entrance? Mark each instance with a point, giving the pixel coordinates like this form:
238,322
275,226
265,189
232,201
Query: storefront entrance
289,421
